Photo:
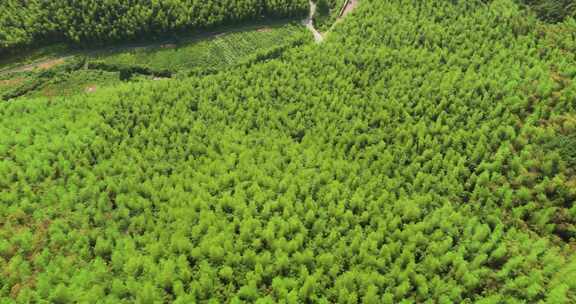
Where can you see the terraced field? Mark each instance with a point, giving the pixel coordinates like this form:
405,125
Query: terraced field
58,71
221,50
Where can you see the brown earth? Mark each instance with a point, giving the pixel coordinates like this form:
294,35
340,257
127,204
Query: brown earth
90,89
350,6
11,82
50,64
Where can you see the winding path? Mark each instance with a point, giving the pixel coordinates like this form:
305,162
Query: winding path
309,23
44,64
348,7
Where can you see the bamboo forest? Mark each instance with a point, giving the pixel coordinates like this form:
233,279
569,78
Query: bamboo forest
286,151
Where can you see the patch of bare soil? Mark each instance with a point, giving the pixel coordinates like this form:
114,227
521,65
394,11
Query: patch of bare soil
264,30
48,92
90,89
11,82
50,64
168,46
43,65
350,6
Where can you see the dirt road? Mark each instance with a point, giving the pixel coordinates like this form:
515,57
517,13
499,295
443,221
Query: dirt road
309,23
40,65
348,7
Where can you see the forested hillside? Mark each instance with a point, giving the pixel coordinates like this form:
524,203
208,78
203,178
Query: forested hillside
553,10
85,22
423,153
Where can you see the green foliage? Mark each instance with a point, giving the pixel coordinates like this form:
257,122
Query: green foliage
89,71
553,10
327,12
217,52
403,160
64,80
565,144
87,22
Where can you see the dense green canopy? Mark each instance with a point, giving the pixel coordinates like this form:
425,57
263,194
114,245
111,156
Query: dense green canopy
88,21
424,153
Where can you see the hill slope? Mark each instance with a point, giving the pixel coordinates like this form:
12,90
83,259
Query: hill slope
88,22
423,153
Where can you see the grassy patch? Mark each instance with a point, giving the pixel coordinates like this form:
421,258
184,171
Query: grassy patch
8,84
208,49
75,82
68,73
31,56
219,51
66,79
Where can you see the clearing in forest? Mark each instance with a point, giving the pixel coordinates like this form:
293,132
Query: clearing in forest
211,51
218,51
